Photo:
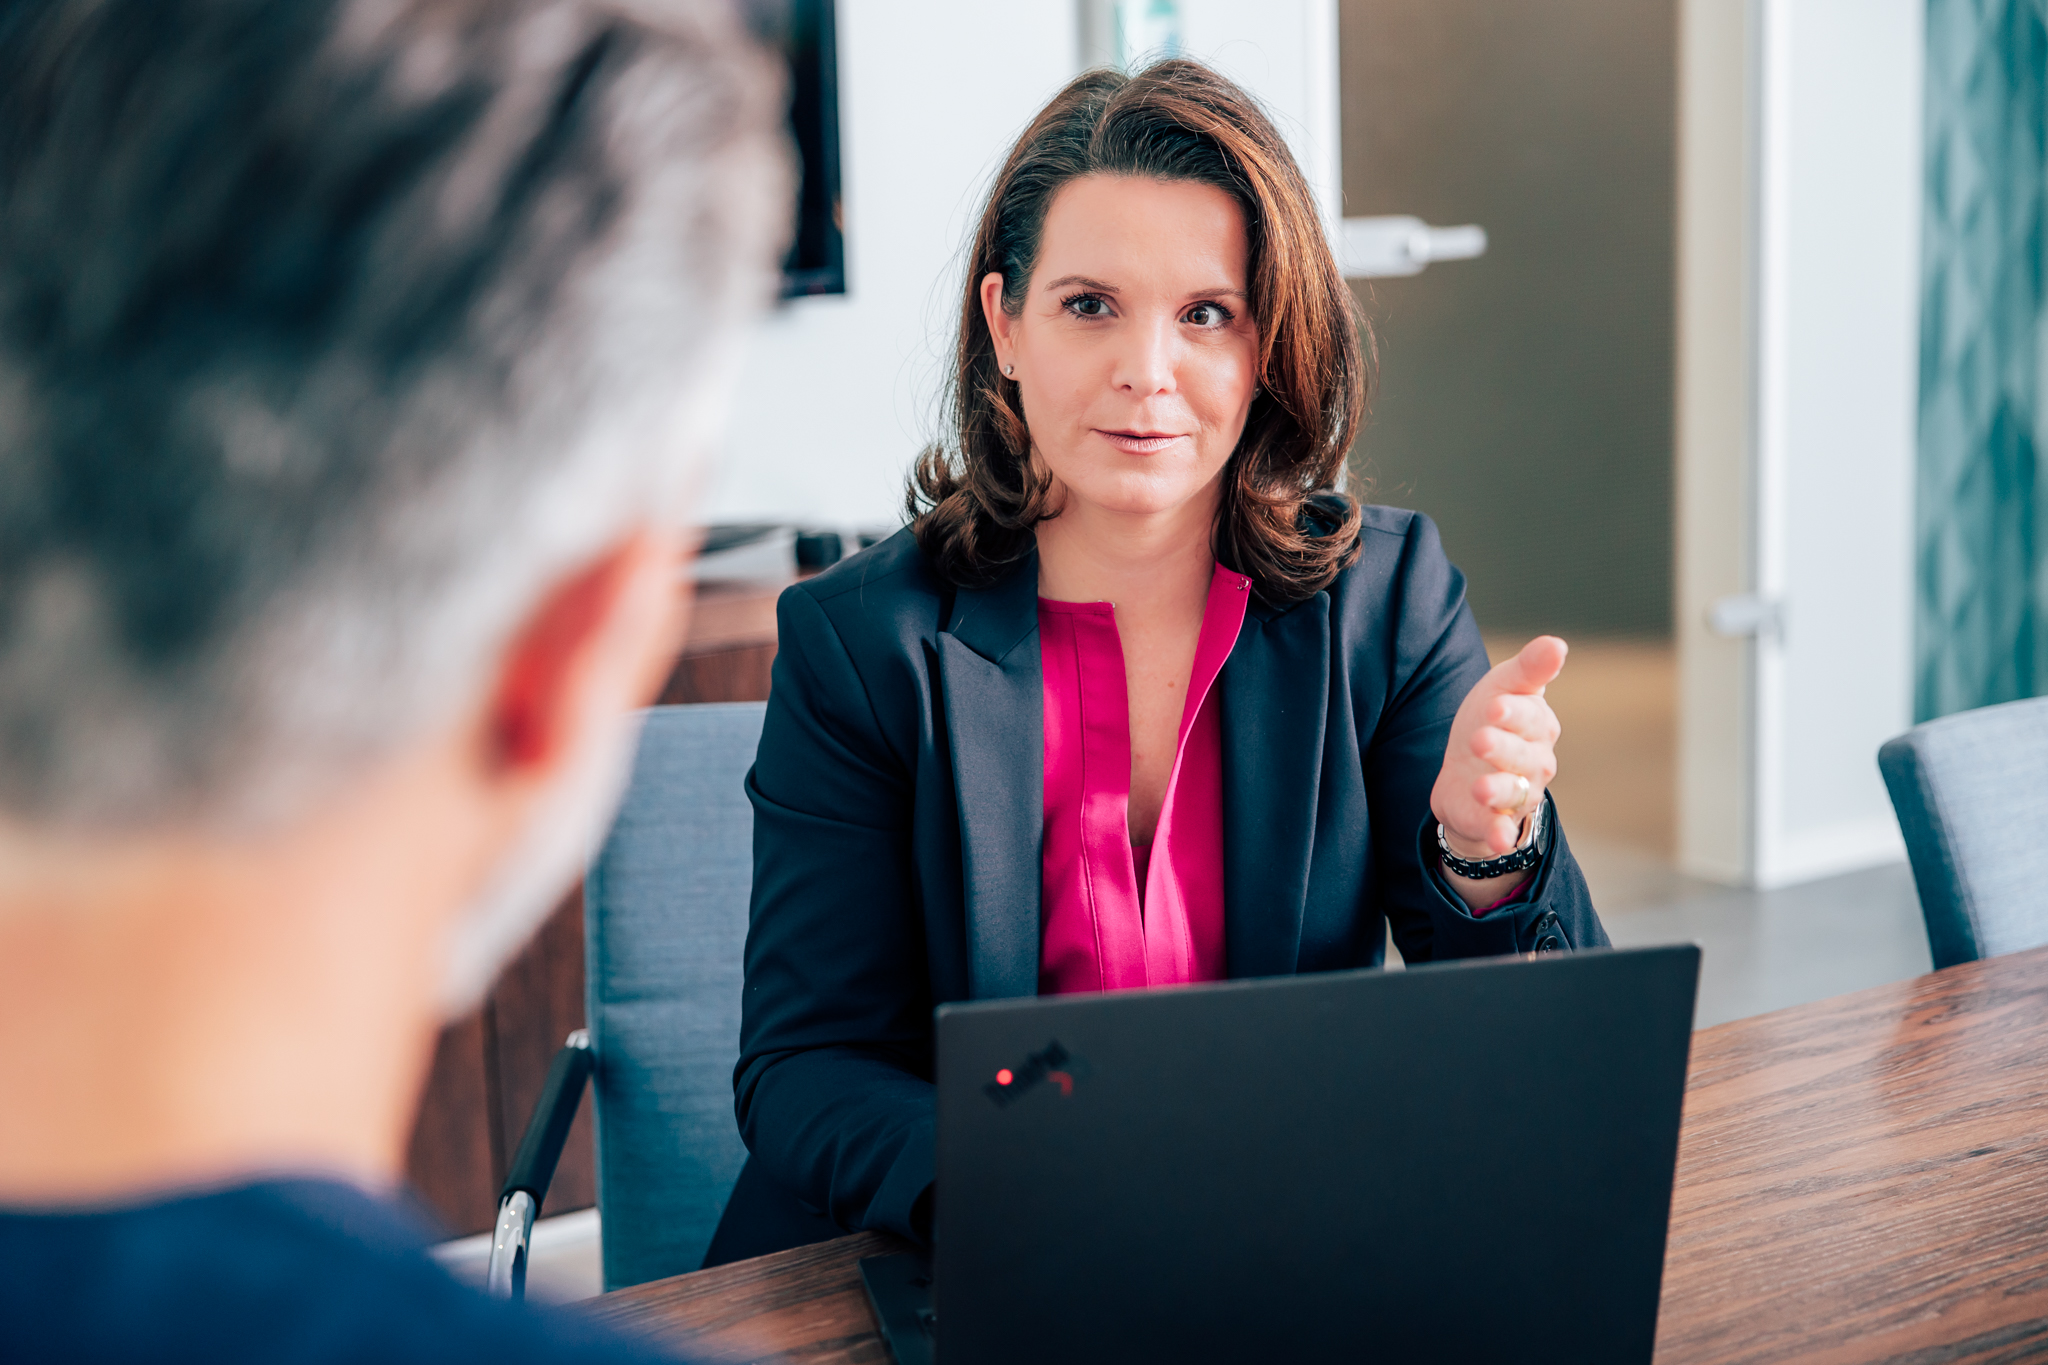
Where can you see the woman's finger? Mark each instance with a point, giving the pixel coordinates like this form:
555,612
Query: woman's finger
1529,717
1505,834
1491,831
1530,671
1512,754
1496,833
1503,791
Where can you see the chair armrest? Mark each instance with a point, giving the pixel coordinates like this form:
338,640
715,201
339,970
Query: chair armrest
533,1165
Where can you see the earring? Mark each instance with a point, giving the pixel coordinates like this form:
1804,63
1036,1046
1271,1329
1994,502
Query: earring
1009,370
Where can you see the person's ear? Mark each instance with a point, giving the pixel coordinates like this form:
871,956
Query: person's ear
600,642
1001,326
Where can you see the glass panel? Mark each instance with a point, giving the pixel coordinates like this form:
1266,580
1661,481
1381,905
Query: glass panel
1526,396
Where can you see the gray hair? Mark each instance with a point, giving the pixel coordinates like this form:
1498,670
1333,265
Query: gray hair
331,334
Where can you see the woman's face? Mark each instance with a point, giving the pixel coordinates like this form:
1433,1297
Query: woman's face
1135,350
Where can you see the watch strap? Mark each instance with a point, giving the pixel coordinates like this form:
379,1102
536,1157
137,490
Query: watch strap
1518,859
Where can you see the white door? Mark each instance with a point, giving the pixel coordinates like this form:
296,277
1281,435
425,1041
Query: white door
1798,331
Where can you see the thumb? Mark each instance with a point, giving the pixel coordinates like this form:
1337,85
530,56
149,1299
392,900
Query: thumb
1532,670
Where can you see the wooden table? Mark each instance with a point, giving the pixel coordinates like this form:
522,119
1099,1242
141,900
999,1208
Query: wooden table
1862,1179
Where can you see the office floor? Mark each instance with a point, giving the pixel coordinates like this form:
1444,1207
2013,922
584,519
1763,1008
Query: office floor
1764,950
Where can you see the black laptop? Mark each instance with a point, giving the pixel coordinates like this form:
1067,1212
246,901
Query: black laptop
1465,1161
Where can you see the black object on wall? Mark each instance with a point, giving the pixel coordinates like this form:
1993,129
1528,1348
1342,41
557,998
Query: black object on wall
817,257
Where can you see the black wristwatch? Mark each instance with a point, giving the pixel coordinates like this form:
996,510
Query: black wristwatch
1515,860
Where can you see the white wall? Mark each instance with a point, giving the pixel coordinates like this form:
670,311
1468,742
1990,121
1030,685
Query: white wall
1285,52
1809,500
838,393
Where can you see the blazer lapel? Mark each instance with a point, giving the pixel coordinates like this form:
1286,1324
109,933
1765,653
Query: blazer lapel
1276,687
995,725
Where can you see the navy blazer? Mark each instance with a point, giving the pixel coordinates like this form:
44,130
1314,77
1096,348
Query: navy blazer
898,803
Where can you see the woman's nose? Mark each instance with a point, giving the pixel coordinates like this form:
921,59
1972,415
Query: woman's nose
1145,363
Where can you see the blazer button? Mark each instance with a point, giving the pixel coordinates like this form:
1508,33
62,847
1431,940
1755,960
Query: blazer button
1550,943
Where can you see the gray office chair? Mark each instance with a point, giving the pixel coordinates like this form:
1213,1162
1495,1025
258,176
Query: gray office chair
665,927
1971,792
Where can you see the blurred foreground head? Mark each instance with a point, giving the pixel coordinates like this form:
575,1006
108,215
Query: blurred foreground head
344,344
332,334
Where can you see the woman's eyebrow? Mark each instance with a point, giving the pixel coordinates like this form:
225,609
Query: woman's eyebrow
1065,280
1221,291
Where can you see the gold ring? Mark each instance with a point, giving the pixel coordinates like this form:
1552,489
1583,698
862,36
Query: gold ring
1520,805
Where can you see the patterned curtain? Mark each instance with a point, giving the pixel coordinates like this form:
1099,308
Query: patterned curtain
1982,577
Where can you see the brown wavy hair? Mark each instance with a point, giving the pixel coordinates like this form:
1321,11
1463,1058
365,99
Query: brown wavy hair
976,493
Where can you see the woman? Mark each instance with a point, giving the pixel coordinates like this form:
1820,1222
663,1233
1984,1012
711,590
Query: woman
1137,699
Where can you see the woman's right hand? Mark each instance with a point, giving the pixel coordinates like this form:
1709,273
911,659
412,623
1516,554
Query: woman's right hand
1504,732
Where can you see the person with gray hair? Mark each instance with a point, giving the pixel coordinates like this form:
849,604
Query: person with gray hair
357,362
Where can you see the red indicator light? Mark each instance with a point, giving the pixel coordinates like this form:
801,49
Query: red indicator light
1004,1077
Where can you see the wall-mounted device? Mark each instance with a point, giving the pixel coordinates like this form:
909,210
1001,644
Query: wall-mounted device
807,34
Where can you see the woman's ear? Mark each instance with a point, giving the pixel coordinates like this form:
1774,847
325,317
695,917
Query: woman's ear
1000,323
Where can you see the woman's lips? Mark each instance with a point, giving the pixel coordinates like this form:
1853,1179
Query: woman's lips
1139,442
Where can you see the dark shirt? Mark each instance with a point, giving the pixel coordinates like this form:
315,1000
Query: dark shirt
286,1272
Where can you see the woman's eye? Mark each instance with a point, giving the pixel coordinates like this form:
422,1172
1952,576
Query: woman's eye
1088,306
1207,315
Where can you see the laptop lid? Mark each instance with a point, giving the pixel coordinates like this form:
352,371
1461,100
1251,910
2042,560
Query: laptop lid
1470,1160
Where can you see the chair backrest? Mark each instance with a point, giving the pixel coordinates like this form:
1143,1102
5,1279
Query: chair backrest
1971,792
665,926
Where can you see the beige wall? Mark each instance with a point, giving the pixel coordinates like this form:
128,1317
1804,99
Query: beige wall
1715,418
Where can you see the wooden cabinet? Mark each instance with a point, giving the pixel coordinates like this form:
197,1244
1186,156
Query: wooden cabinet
489,1067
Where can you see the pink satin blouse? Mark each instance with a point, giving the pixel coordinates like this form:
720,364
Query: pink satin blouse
1114,916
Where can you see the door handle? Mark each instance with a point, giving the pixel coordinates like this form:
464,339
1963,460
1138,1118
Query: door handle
1374,248
1745,615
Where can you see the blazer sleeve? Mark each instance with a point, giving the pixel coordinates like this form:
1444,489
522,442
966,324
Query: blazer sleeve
1437,658
833,1091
